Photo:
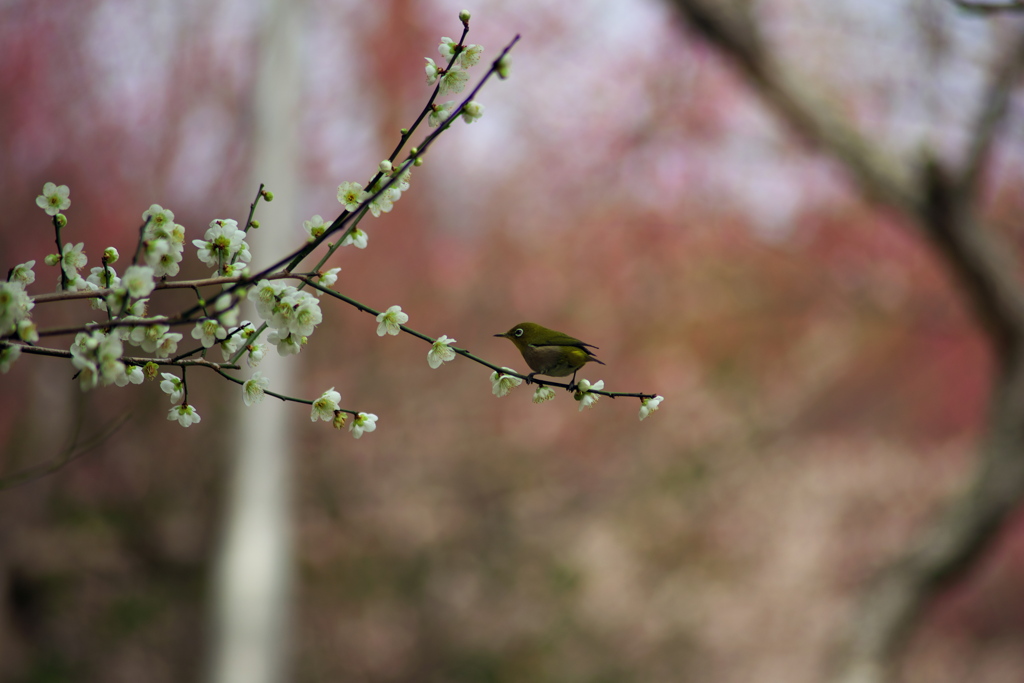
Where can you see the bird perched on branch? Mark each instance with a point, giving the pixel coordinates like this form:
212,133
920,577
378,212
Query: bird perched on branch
550,353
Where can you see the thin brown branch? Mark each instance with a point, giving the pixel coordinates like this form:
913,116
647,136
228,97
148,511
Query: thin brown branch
133,360
166,284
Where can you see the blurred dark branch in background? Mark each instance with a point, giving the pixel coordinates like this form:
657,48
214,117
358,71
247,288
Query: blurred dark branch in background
74,450
989,7
942,203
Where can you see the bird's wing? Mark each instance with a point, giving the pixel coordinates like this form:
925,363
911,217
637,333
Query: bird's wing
561,339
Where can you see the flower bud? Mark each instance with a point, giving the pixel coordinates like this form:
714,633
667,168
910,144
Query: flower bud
504,67
110,255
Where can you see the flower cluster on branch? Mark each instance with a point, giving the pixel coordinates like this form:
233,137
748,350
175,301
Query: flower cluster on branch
286,300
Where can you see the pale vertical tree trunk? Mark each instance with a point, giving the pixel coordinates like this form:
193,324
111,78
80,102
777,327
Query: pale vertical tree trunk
252,585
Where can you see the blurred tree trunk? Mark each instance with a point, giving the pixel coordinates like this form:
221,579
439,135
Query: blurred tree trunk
941,201
252,589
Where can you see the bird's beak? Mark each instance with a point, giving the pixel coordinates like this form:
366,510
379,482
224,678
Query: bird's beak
500,335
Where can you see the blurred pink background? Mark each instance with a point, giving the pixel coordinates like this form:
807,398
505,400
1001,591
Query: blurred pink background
823,382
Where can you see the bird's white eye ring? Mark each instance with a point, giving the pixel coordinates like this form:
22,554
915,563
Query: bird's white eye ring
518,332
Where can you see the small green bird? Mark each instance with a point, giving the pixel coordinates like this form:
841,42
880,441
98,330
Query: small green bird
548,352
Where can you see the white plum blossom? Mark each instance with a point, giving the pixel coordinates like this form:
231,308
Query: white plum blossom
363,422
167,344
154,250
54,199
390,321
314,227
138,280
472,111
265,295
385,199
167,264
433,71
502,383
328,278
155,338
163,241
307,314
583,392
8,354
447,47
453,81
101,277
77,284
256,354
543,394
23,273
439,113
209,331
324,407
97,355
440,351
27,331
351,195
282,316
649,405
293,313
240,335
177,237
356,238
224,244
133,374
402,183
470,55
185,414
148,336
173,386
287,344
15,304
158,218
253,389
136,309
72,258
